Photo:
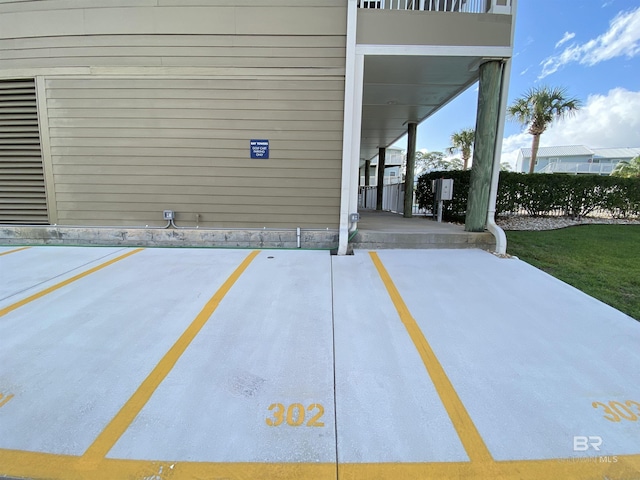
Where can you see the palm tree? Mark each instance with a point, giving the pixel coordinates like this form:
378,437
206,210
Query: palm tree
538,108
628,169
462,142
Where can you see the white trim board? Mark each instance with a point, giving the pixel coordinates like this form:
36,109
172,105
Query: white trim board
436,50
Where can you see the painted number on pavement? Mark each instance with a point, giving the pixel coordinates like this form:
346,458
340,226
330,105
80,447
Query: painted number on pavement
4,399
616,411
294,415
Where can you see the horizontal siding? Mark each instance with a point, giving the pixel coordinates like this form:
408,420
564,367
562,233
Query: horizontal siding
204,202
276,35
31,5
156,150
122,145
130,61
199,95
171,125
73,192
175,43
152,114
180,170
406,27
308,18
186,143
217,53
185,182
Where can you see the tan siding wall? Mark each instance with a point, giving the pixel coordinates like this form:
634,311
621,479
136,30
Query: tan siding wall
261,51
389,27
119,159
151,135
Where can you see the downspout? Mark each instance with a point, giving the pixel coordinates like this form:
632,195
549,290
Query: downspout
494,229
347,138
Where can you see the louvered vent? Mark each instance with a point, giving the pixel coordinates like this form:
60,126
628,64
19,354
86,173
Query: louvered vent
22,194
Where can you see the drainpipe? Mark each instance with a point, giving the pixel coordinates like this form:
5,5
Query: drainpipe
494,229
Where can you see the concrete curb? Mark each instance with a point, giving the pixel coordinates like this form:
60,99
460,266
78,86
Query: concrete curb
170,237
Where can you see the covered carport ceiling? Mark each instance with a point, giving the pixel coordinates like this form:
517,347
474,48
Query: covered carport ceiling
408,88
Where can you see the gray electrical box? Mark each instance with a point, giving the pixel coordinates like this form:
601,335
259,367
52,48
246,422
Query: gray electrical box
168,214
442,189
446,189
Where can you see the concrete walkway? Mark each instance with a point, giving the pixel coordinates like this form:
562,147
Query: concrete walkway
121,363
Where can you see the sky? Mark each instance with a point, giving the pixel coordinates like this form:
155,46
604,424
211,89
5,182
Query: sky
589,47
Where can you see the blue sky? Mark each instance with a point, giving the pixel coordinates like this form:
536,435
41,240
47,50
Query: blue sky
590,47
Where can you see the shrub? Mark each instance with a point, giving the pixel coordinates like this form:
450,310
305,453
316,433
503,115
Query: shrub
540,194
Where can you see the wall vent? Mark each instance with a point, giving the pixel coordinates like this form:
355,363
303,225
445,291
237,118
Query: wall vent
22,189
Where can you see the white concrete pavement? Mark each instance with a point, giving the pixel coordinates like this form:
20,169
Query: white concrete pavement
214,363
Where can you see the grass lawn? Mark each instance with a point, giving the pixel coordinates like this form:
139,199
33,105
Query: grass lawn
601,260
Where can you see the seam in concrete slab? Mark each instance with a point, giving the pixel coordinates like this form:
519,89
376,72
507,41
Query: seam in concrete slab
335,387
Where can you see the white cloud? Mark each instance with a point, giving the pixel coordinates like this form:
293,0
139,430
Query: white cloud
622,39
606,121
565,38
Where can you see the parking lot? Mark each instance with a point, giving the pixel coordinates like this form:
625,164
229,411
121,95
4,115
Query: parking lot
171,363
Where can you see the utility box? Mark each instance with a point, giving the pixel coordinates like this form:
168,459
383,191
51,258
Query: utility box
168,214
442,189
446,189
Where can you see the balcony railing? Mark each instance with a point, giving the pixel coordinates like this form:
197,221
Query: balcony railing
579,168
464,6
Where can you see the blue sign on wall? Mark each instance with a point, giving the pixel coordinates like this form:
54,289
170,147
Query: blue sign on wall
259,148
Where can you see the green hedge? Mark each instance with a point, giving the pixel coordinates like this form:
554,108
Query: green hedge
541,194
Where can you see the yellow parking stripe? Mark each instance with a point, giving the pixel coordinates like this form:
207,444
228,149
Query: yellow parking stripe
119,424
13,251
66,282
467,431
47,465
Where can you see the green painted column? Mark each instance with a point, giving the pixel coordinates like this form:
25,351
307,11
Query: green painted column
411,166
367,179
367,172
484,145
380,183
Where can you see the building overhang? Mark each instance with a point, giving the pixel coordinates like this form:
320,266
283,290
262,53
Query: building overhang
416,62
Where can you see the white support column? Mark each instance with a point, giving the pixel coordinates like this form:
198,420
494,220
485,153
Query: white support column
355,135
348,176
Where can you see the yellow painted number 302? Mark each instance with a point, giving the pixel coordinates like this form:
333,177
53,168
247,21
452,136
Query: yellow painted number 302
615,411
294,414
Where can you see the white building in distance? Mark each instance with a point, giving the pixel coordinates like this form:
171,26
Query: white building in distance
575,159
